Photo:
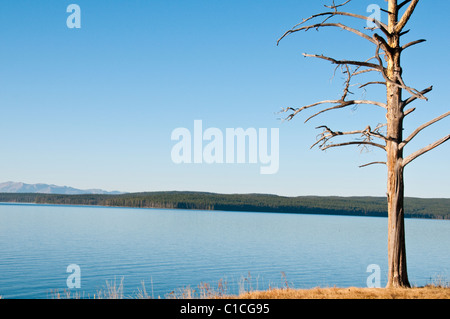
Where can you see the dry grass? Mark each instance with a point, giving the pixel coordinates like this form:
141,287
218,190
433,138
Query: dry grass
438,289
203,291
428,292
113,290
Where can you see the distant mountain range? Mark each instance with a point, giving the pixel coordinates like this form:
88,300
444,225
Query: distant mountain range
17,187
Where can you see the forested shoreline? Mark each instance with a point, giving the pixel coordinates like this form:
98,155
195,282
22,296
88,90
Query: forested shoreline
438,208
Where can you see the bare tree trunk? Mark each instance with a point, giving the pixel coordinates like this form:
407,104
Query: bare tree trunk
397,276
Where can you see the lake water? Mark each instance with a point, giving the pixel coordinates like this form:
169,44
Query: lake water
171,249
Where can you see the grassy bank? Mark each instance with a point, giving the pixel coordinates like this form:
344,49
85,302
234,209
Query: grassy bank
428,292
438,289
115,290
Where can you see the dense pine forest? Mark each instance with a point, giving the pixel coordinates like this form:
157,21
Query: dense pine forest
353,206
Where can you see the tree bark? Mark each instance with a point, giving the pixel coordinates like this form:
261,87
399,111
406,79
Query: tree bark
397,271
397,275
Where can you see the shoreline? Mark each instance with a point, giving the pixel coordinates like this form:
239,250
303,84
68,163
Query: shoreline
210,210
245,208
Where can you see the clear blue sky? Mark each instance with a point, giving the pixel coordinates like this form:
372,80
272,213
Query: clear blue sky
95,107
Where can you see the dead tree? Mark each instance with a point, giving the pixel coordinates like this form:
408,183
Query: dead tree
385,64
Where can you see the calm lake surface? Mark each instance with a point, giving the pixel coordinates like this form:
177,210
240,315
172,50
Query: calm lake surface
171,249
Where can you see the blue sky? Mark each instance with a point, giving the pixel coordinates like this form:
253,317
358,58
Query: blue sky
95,107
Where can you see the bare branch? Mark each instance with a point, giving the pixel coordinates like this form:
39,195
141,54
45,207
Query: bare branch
380,62
298,110
337,6
420,128
381,41
415,93
354,143
319,25
402,4
370,83
328,134
422,151
406,16
414,97
409,111
342,104
347,82
345,62
404,32
372,164
382,26
413,43
365,71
